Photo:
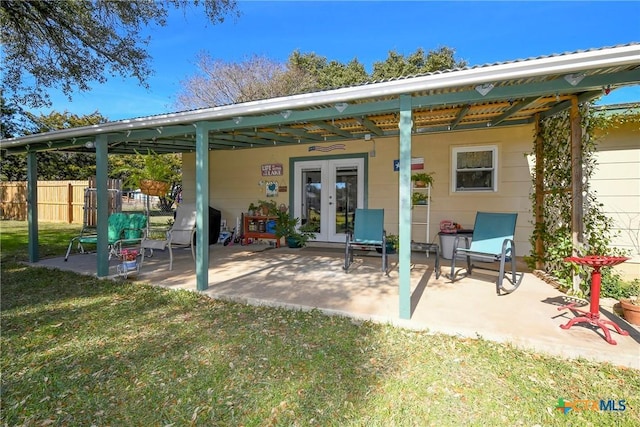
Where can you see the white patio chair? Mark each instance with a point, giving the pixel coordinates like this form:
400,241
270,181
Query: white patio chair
180,235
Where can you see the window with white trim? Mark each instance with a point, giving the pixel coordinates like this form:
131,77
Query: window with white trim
474,168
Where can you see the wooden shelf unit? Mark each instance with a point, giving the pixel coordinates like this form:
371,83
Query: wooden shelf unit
255,226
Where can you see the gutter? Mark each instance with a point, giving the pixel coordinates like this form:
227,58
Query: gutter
562,64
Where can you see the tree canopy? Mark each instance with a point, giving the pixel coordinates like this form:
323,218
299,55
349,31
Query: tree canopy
70,44
52,165
221,83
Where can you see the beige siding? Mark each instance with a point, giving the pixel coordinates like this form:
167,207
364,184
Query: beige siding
617,183
235,178
235,181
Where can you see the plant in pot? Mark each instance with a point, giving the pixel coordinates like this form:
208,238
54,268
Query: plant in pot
631,305
392,244
422,179
153,176
287,227
419,198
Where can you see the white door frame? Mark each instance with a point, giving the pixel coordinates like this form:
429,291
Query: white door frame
328,170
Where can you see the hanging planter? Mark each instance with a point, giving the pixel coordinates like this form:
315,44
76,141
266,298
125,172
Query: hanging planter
153,178
154,188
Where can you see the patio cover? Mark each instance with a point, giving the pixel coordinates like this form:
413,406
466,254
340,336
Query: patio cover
493,95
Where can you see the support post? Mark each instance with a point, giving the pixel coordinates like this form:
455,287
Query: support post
32,206
70,202
539,188
577,232
202,207
102,208
404,208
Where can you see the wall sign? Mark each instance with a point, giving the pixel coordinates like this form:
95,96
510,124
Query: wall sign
272,169
271,189
417,163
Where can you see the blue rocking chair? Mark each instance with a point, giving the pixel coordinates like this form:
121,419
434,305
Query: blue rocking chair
368,233
492,241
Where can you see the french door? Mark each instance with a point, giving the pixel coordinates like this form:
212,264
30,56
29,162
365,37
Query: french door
326,195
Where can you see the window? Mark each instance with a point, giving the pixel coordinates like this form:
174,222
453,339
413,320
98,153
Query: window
474,168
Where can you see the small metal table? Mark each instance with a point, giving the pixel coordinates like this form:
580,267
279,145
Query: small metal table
593,315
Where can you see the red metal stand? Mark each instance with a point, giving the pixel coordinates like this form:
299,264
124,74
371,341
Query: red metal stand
593,315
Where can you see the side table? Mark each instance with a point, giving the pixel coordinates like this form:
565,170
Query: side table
593,315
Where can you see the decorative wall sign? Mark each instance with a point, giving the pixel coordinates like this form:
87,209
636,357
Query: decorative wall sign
329,148
417,163
271,188
272,169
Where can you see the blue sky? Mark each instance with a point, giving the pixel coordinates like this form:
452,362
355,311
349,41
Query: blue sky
479,32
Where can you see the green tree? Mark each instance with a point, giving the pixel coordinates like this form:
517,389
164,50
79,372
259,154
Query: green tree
52,165
220,83
327,74
397,65
68,44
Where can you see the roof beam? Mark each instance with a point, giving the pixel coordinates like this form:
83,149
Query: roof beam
474,126
527,90
333,129
514,109
237,139
463,112
299,132
368,124
582,98
278,137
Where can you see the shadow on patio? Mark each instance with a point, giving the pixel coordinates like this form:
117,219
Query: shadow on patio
313,278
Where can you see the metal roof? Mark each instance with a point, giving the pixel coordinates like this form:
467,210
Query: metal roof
492,95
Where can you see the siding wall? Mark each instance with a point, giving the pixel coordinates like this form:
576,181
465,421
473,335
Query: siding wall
617,183
235,178
235,181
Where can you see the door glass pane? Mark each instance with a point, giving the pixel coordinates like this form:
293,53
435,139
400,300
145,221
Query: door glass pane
346,198
311,198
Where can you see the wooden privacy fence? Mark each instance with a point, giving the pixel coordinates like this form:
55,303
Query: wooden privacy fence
58,201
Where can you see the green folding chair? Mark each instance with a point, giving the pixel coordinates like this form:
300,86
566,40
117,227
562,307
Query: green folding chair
117,222
368,233
133,233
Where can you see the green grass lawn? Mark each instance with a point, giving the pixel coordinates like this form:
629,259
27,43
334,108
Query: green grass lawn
77,350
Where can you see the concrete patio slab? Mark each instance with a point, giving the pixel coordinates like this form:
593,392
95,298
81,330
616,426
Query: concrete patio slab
313,278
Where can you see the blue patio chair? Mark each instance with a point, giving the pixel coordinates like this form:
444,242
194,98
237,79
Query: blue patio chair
117,223
492,241
368,233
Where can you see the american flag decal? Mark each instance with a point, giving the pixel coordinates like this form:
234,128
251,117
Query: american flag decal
329,148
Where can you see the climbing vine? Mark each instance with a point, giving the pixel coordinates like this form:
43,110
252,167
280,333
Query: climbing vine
555,231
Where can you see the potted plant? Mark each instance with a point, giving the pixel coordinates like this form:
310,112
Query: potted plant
287,226
153,178
128,258
631,306
392,244
422,179
419,198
